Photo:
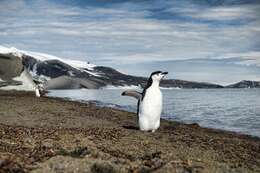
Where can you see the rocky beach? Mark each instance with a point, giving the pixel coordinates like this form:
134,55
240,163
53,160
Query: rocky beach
55,135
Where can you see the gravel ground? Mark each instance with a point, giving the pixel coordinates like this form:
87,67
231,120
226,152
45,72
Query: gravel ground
55,135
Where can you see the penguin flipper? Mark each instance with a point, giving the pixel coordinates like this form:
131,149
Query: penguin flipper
132,93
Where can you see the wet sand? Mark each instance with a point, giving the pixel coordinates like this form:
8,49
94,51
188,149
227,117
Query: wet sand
55,135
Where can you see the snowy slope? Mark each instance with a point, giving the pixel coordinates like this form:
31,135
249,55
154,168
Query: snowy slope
12,50
44,57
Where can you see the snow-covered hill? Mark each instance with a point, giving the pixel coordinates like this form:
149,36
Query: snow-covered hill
58,73
41,57
44,67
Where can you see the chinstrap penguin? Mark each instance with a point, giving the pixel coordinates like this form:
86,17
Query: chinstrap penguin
37,88
149,107
39,91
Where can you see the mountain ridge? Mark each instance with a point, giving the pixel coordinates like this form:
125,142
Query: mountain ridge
245,84
57,73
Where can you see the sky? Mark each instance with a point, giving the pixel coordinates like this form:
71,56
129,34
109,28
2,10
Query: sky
215,41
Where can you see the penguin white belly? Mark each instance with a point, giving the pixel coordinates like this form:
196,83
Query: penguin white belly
150,109
37,92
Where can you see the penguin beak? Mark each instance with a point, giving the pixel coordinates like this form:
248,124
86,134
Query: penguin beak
164,73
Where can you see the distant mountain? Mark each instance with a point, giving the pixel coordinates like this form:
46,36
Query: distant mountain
100,76
245,84
57,73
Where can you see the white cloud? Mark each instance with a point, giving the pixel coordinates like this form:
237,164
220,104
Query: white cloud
218,13
244,58
125,35
226,13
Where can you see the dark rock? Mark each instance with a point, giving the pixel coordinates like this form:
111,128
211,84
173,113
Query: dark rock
102,168
78,152
245,84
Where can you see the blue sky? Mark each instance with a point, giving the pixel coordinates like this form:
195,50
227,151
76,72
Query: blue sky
204,40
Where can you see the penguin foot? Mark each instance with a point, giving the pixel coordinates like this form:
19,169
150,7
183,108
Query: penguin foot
130,127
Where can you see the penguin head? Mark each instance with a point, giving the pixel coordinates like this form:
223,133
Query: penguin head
158,75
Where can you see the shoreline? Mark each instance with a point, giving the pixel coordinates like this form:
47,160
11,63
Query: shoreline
166,116
51,134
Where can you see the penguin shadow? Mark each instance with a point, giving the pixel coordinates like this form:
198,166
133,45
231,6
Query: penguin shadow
130,127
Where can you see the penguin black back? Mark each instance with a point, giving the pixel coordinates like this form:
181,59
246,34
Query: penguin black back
149,83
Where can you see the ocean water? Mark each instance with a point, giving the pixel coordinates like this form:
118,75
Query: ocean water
229,109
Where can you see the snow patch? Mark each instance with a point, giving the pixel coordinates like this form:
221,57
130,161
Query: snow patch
74,63
92,73
12,50
71,73
79,64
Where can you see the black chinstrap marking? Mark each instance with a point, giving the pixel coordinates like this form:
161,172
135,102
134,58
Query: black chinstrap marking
155,72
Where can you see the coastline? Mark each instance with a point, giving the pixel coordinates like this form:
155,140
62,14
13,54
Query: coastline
57,135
